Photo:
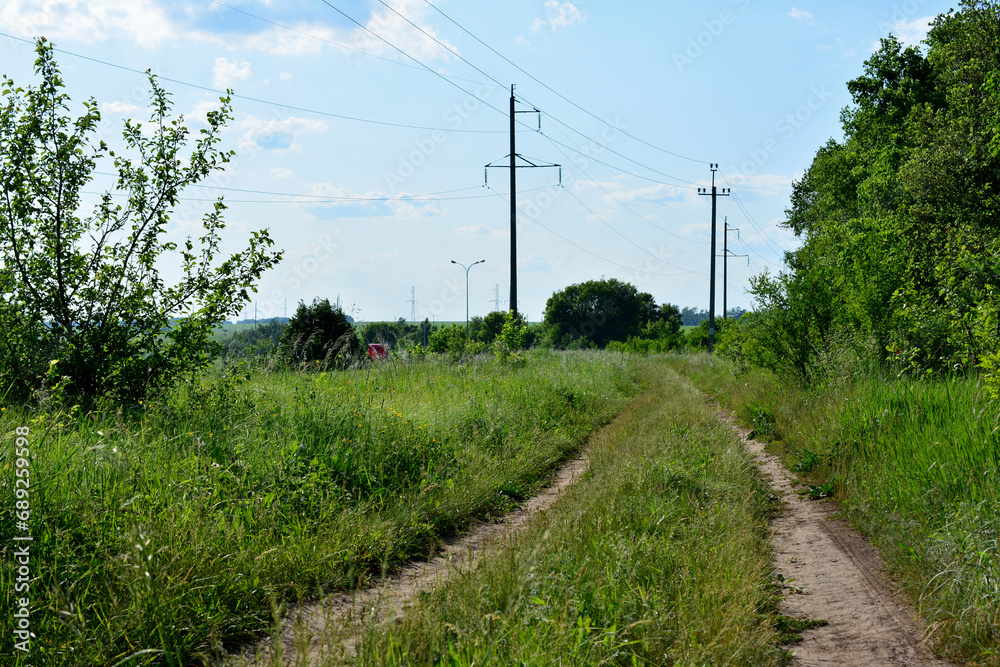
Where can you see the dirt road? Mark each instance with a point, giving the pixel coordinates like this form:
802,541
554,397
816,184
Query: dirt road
325,632
832,573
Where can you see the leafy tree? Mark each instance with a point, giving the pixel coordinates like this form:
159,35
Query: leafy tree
319,333
511,340
475,326
450,339
81,296
900,221
491,326
692,316
253,343
597,312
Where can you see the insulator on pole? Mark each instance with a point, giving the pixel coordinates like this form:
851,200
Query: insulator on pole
560,175
486,176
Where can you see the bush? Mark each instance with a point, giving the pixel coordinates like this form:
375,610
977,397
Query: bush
448,340
319,334
82,302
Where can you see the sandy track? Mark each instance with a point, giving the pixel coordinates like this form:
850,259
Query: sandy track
837,576
325,632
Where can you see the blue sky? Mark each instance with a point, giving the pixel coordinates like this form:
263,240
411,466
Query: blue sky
367,165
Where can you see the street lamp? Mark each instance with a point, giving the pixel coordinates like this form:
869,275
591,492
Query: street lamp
467,268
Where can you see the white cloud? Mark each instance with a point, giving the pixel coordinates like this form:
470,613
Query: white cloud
799,14
89,21
521,41
225,73
287,76
695,228
559,15
474,229
310,39
911,33
274,134
307,40
393,29
281,172
201,109
119,107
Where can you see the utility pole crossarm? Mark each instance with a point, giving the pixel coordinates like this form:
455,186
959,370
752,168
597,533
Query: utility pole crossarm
512,164
726,254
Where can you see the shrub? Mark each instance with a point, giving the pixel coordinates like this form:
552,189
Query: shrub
319,334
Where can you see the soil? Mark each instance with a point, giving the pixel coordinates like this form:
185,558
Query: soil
339,618
832,573
829,573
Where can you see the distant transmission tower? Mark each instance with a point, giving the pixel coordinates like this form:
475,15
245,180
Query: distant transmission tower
413,304
496,297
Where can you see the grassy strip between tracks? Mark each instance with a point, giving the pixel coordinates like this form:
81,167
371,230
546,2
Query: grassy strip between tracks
658,555
913,462
165,533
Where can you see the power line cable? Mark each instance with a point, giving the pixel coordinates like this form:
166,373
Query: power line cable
608,225
628,208
576,245
388,43
526,73
609,149
751,220
441,44
314,199
310,196
268,102
339,45
463,59
617,168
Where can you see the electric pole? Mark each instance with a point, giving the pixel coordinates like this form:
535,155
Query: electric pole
514,166
715,192
725,264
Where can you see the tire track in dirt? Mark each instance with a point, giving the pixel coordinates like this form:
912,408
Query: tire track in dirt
327,631
834,574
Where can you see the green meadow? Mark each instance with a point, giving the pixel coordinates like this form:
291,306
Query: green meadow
913,463
169,531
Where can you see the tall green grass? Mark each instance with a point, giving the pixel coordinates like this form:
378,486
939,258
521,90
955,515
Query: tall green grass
915,465
168,532
658,555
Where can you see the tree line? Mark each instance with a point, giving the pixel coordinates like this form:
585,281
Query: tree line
900,256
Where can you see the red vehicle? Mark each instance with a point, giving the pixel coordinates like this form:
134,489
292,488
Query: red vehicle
377,351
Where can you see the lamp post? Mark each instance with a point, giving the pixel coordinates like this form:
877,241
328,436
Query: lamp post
467,268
